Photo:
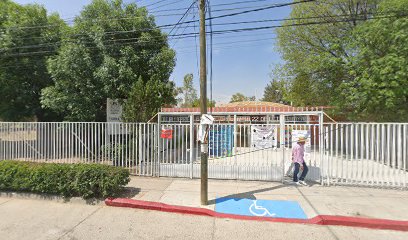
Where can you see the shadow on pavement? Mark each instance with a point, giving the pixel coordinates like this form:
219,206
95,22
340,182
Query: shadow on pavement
129,192
247,195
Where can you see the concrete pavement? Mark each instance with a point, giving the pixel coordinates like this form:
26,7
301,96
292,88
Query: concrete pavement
50,218
315,200
44,219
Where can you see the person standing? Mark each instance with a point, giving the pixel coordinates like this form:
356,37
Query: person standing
298,153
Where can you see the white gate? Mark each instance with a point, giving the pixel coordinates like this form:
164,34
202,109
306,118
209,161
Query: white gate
247,151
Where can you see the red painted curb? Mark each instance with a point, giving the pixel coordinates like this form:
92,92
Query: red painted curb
318,220
373,223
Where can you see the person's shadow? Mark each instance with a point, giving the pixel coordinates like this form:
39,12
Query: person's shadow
246,195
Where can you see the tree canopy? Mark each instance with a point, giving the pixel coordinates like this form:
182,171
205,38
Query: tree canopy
348,54
188,92
239,97
27,37
379,86
97,61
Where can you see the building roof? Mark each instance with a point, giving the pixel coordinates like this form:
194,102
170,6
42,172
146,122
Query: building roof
252,104
248,106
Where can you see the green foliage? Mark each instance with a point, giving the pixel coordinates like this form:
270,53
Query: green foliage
188,91
145,99
358,65
115,151
239,97
379,89
68,180
24,50
196,103
275,91
316,55
93,64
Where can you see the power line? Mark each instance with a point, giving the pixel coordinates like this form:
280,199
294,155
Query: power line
52,44
217,10
186,48
303,24
233,42
152,4
164,5
93,20
183,51
221,16
184,15
262,9
241,2
187,35
188,25
245,7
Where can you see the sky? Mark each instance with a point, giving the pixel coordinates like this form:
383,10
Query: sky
242,62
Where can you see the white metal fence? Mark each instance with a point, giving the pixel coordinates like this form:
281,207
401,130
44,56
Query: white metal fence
373,154
344,153
129,145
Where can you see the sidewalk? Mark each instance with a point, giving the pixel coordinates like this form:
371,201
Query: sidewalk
314,200
50,219
28,219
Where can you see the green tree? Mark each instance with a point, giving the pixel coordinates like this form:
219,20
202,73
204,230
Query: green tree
379,89
275,91
111,49
317,51
188,91
27,37
196,103
239,97
145,99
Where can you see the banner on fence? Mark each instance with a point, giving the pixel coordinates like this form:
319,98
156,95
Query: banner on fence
264,137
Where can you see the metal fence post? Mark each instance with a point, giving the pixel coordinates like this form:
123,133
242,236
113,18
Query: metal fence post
321,147
157,172
235,147
191,145
282,143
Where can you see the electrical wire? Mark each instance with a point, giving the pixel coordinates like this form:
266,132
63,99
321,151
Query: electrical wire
184,16
186,35
165,5
183,50
181,19
216,17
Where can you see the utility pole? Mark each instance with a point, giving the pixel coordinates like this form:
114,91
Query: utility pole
203,104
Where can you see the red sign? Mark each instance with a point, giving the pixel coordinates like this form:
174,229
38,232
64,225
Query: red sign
166,133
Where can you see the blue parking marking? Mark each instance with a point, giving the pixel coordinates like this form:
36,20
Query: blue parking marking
260,208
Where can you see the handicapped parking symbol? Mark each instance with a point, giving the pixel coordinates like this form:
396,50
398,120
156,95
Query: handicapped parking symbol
260,208
259,211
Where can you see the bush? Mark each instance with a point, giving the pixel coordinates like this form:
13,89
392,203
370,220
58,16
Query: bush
68,180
